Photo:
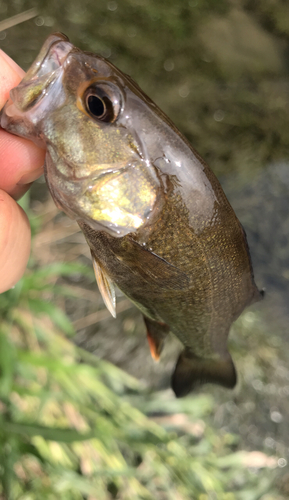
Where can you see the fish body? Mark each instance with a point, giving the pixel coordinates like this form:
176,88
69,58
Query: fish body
156,219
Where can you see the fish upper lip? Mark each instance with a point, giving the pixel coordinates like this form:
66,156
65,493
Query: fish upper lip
54,57
43,72
57,45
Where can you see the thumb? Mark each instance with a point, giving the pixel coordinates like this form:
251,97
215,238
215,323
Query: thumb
14,241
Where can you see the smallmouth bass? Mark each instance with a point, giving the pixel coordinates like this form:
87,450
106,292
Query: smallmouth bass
155,217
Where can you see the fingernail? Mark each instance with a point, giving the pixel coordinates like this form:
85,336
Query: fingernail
30,176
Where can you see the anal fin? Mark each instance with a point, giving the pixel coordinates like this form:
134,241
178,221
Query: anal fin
156,334
105,286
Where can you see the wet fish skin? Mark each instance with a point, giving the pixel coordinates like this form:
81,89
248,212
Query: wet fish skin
156,219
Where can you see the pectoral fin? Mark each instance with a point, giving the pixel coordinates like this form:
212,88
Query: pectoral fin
105,286
151,266
156,334
192,372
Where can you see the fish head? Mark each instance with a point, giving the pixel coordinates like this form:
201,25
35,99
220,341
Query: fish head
83,110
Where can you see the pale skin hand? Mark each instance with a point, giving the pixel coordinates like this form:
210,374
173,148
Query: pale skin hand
20,164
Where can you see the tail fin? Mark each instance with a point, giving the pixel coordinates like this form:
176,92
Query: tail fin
257,296
191,372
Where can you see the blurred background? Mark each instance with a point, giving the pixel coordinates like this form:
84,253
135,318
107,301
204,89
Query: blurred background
84,411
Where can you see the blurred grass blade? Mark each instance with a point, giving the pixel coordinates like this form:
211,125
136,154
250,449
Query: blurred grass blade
18,18
59,318
7,363
49,433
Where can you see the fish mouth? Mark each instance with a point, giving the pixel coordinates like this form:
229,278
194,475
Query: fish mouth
20,111
44,71
51,56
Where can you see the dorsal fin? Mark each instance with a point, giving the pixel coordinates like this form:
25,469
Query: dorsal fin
105,286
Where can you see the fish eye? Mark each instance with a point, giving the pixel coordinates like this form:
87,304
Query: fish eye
95,105
102,103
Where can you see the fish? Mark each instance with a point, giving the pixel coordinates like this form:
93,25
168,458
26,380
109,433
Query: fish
154,215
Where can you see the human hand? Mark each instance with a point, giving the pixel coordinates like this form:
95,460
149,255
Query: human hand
21,162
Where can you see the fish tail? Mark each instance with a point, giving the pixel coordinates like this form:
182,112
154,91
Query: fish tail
192,371
257,296
156,334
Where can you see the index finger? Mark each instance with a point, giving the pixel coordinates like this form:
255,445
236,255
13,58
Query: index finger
20,159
